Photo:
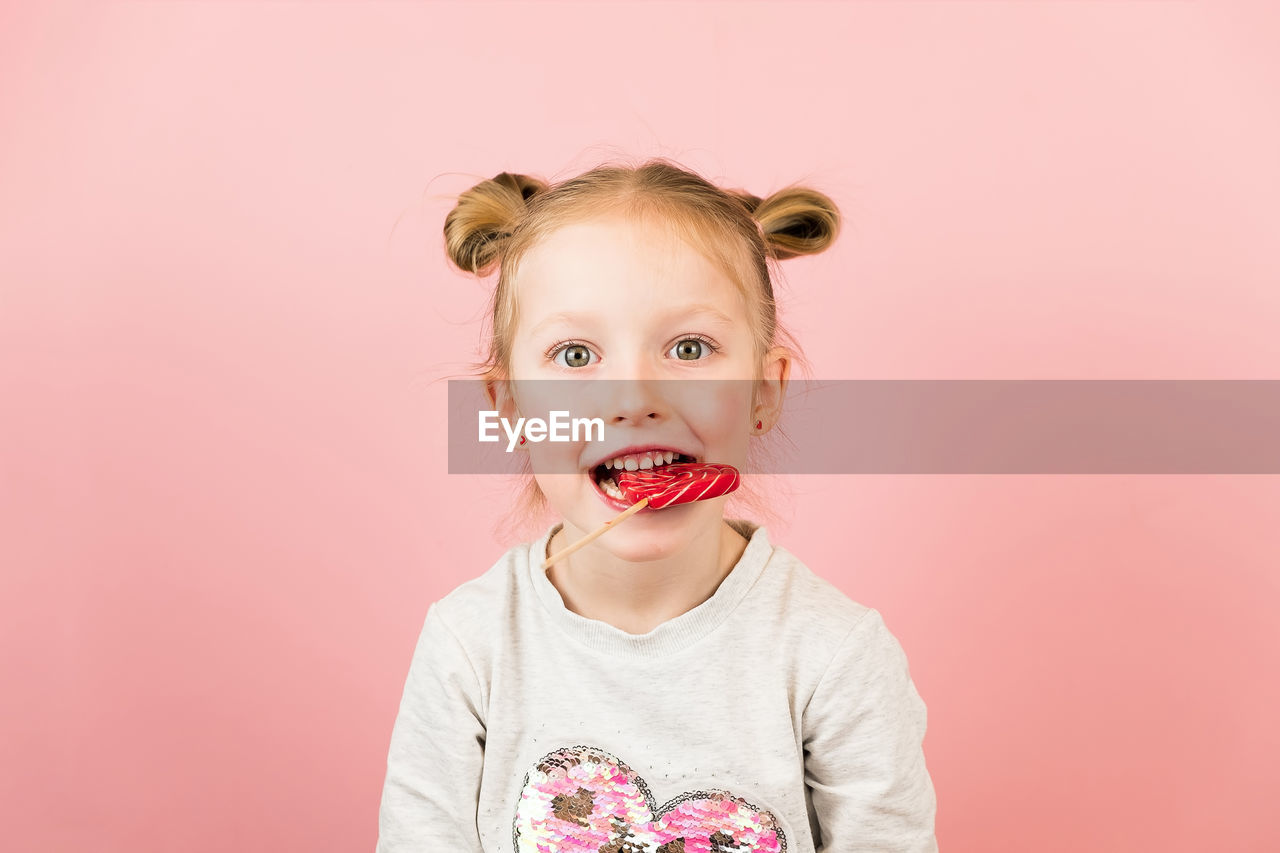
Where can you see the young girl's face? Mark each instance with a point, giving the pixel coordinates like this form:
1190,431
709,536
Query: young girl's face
613,304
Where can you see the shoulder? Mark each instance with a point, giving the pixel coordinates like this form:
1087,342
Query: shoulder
844,646
472,610
809,599
814,621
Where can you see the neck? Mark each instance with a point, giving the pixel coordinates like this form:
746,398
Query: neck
637,597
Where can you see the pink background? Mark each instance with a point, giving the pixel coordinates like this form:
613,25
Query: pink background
226,320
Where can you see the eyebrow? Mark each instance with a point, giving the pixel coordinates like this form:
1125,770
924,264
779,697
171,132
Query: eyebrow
712,313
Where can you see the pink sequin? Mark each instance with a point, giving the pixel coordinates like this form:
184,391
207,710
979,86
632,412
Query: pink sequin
583,800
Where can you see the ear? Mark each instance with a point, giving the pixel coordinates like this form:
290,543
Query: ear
771,389
497,393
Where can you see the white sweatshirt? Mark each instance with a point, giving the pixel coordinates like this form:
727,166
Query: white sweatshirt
778,715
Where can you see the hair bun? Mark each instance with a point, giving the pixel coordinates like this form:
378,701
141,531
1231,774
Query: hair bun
795,221
484,217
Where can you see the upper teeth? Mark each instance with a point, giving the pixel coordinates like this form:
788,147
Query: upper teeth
634,461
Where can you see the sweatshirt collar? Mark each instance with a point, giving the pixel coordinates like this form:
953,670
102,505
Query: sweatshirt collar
676,633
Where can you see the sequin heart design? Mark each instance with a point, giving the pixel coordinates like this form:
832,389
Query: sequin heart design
583,800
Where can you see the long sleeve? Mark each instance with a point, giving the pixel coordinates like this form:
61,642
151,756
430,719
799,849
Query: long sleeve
864,759
430,797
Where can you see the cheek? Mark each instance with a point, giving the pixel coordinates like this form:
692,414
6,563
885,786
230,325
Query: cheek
559,489
536,398
721,411
556,462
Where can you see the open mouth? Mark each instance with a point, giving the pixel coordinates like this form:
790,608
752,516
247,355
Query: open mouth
604,476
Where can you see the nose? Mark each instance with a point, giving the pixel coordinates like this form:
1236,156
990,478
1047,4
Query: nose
631,401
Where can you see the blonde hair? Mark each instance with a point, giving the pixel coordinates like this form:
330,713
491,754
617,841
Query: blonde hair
497,221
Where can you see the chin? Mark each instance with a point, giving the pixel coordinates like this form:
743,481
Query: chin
641,549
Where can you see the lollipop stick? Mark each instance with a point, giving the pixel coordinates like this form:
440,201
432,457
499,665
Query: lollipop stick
634,508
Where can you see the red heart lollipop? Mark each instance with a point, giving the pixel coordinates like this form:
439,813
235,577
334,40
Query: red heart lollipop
678,483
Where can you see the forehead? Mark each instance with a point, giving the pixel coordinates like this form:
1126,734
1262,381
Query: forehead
603,264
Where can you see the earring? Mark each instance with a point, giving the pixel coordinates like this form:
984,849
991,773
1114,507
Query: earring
758,425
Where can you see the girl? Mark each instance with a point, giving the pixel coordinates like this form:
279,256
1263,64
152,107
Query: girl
682,684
